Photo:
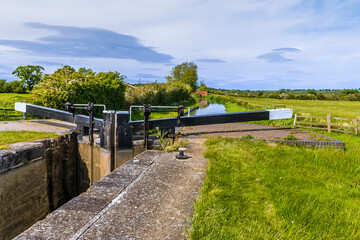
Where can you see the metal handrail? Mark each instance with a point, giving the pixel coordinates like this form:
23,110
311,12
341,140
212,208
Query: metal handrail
141,106
85,105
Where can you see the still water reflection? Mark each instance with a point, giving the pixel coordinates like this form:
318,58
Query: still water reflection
212,108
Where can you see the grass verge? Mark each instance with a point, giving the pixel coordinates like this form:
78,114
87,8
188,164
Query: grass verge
8,137
258,191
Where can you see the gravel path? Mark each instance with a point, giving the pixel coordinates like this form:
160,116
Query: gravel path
48,125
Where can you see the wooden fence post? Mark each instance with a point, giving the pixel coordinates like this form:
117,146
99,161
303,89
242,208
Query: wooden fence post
311,121
295,119
356,125
329,122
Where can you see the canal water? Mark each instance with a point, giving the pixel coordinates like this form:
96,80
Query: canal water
211,108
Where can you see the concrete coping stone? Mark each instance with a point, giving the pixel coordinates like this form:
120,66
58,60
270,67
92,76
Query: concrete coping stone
22,152
75,216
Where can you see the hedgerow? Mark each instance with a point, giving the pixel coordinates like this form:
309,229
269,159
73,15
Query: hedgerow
158,94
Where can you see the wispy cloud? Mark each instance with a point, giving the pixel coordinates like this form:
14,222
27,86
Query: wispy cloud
276,56
87,42
146,75
210,60
49,63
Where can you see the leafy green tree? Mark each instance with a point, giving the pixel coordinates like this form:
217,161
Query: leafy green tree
3,86
260,93
311,91
203,87
16,87
11,87
349,91
82,86
184,73
29,75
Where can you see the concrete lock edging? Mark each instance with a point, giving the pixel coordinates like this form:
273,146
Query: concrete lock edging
75,216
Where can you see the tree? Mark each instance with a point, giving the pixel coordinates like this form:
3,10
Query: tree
3,86
203,87
349,91
82,86
311,91
184,73
29,75
16,87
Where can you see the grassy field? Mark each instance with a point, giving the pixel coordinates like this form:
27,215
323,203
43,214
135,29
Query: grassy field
8,137
345,109
258,191
7,100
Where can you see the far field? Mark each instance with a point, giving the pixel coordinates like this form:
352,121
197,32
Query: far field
7,101
345,109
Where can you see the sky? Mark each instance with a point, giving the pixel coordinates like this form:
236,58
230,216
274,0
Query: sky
236,44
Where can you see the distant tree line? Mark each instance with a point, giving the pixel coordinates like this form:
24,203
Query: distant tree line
299,94
11,87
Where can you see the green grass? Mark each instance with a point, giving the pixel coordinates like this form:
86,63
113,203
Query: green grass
258,191
231,107
8,137
344,109
7,100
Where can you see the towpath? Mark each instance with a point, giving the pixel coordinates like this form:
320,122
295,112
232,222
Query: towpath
48,125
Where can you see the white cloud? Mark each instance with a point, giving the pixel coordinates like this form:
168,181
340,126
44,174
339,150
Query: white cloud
232,31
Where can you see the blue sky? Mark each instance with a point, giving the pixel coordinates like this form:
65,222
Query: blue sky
237,44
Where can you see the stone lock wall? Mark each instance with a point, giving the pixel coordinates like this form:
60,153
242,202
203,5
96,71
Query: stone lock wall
38,177
35,178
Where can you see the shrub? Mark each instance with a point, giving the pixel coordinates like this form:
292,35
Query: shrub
306,97
82,86
349,91
197,95
16,87
274,95
284,96
158,94
290,137
334,97
320,96
247,137
353,97
291,96
311,91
